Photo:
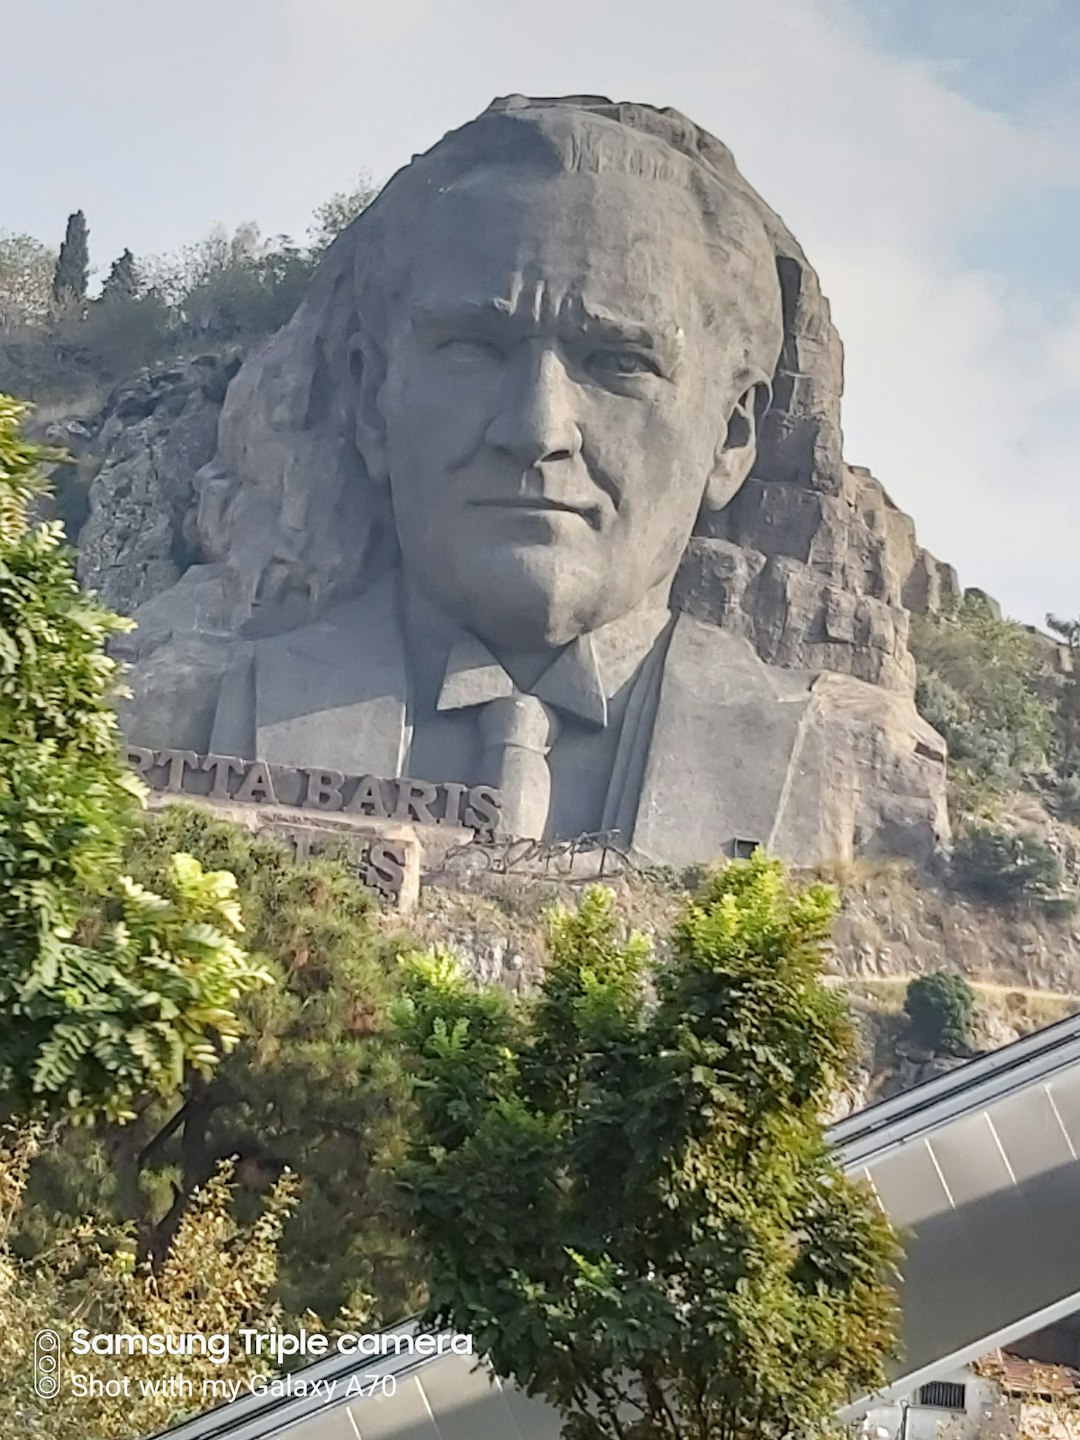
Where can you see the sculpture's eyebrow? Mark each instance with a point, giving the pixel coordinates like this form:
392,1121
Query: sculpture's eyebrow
574,321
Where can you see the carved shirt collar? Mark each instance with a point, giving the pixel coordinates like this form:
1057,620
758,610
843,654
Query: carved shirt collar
583,677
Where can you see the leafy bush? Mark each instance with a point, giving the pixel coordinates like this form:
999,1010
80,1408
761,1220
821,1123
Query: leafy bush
941,1008
251,290
989,752
220,1276
1004,866
26,274
121,334
336,214
108,991
685,1218
1066,799
313,1086
984,685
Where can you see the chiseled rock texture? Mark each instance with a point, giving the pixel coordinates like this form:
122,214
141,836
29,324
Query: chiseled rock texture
813,580
156,431
818,580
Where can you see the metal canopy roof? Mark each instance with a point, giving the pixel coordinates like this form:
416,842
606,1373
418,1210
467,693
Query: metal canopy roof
979,1166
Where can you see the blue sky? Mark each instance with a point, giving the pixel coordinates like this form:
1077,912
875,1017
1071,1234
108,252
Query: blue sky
926,152
1006,56
1022,61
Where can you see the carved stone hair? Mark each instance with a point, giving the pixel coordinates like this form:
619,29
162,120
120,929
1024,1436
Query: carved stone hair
287,504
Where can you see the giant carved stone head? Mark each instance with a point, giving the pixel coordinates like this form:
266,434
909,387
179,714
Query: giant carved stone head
577,326
541,360
566,371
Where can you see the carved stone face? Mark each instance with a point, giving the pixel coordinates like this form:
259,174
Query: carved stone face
564,382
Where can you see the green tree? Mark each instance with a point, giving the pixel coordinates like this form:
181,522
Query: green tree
1068,706
108,991
123,281
120,334
219,1276
337,214
26,274
1005,866
72,273
631,1205
229,286
983,683
941,1008
314,1086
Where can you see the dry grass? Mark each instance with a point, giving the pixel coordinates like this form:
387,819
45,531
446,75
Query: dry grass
862,870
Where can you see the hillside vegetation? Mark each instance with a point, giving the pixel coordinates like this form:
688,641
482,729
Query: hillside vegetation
1007,701
68,333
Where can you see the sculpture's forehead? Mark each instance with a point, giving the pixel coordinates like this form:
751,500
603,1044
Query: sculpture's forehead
614,241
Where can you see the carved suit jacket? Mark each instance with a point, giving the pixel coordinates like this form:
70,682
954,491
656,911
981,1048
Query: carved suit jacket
716,747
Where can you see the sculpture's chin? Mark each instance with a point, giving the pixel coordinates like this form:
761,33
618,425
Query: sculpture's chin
527,602
520,626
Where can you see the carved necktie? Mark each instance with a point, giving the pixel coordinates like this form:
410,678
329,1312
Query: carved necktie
517,733
517,730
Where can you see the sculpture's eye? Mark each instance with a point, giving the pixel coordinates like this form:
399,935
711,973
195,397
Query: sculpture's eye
467,354
621,363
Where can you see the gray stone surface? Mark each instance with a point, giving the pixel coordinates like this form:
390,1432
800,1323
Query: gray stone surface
156,433
568,368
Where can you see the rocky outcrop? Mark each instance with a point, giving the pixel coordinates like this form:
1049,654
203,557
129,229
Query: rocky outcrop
156,431
818,581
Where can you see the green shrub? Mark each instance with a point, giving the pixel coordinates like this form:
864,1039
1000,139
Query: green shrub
984,684
110,993
122,334
1060,907
988,751
620,1195
941,1008
1004,866
313,1087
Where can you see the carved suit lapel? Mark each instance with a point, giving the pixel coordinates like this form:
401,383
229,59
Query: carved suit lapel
718,750
336,693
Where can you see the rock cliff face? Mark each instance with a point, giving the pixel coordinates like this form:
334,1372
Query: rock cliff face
156,432
818,581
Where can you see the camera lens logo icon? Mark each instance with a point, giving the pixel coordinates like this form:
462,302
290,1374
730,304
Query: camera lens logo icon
47,1364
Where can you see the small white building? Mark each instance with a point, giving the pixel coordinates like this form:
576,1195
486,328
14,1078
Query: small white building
997,1398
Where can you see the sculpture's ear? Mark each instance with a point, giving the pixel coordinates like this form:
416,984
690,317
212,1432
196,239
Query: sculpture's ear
367,367
738,449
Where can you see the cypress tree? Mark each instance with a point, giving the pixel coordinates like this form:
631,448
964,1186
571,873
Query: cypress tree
123,281
73,263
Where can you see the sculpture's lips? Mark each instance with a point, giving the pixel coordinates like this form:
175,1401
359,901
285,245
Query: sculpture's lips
540,505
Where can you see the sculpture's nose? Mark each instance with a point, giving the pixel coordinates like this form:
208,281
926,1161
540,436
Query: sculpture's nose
537,420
